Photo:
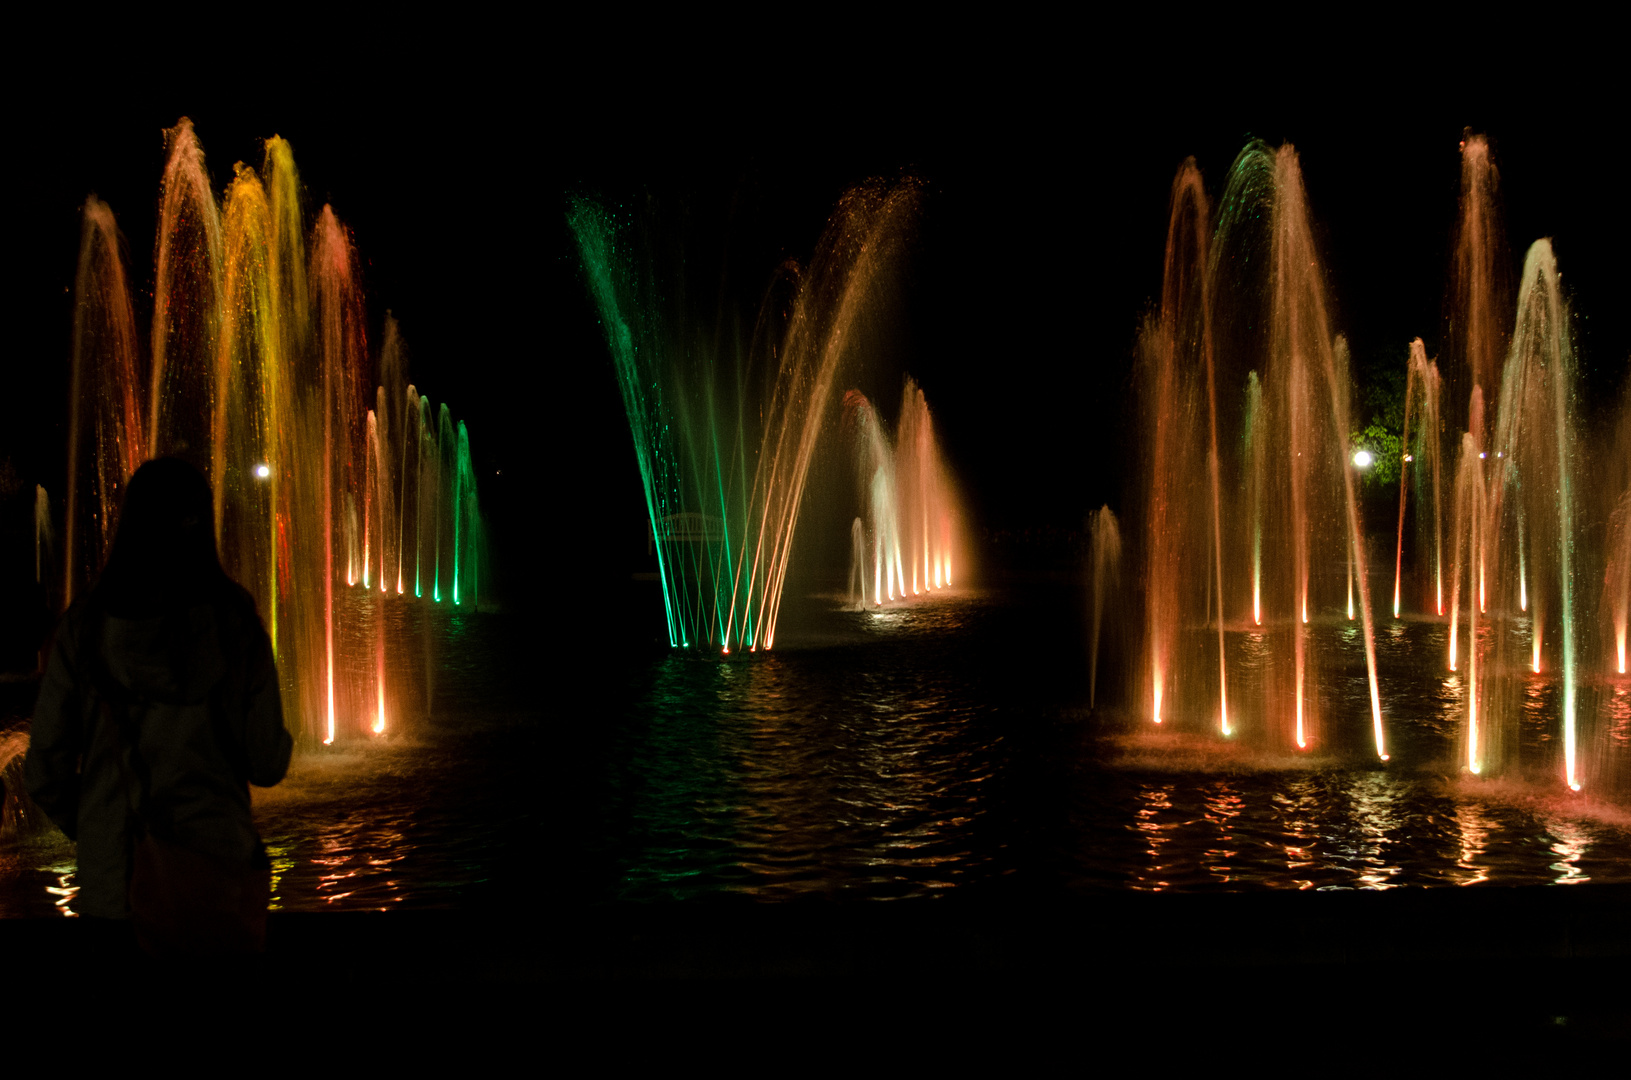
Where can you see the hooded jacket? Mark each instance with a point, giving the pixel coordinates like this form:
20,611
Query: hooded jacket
199,691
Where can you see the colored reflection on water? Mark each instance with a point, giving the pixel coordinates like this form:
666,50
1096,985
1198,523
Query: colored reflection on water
1155,824
1296,808
752,774
1570,843
1475,828
64,890
914,751
1223,805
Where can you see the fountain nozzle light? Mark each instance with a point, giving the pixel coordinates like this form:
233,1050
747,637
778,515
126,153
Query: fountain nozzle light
262,471
1363,459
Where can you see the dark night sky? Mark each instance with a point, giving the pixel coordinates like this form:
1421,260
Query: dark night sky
1039,245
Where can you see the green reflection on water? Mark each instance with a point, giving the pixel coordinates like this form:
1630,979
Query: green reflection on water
681,800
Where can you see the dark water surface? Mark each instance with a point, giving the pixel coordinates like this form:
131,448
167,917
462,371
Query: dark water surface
940,747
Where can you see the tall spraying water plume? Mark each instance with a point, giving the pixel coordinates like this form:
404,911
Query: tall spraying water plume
1617,581
1249,299
1534,486
1421,440
1105,533
1177,351
1480,295
107,422
1311,367
187,303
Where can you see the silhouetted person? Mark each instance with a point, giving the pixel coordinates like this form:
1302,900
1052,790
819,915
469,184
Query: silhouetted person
159,707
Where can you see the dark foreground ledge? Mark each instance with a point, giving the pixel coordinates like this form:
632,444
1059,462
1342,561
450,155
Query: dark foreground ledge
820,938
1524,959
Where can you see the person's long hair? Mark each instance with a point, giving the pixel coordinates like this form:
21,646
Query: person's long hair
163,557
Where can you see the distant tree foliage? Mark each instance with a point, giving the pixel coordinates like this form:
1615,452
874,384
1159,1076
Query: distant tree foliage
1382,387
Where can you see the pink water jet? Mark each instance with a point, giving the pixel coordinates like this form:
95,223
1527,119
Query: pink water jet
910,514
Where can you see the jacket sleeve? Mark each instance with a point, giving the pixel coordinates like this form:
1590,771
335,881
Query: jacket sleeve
51,770
266,739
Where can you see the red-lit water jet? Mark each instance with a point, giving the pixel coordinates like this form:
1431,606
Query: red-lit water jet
1177,354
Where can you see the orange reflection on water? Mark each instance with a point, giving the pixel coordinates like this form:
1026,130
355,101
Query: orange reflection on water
358,858
1223,806
1373,809
1299,807
64,890
1570,842
1474,827
1153,800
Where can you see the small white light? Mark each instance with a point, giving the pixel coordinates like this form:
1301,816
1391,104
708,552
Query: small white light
1408,457
1363,459
263,471
1483,455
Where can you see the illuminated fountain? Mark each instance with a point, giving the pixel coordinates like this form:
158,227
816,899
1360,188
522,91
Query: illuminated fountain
1523,542
1104,583
1617,582
879,558
726,436
258,370
1518,504
1300,513
1423,473
1506,538
1177,349
909,504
